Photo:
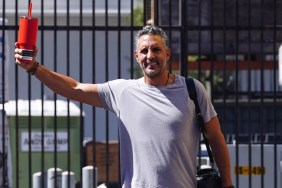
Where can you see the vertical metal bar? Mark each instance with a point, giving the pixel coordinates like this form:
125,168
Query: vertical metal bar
131,37
275,178
119,74
152,10
81,80
262,114
249,95
119,40
29,133
225,92
156,12
93,81
16,184
4,126
42,101
144,12
237,115
199,66
2,56
212,48
183,36
107,77
55,95
170,31
29,129
69,148
199,40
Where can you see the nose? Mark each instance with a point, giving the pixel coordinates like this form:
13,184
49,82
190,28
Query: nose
150,55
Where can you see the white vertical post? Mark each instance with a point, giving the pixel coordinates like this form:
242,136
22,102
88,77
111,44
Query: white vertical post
52,172
36,180
68,180
89,177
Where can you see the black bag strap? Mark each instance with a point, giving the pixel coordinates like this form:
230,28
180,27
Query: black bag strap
193,95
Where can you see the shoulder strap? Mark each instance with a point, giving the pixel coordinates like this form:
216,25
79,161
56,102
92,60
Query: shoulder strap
193,95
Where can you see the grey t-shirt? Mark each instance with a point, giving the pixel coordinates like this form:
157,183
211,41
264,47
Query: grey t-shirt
158,131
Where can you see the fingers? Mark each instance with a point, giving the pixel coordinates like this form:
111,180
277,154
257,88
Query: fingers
24,65
18,62
19,56
18,51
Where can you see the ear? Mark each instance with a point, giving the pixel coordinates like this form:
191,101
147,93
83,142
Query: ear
136,55
168,53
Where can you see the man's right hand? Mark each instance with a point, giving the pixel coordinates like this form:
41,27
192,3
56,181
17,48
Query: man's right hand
18,58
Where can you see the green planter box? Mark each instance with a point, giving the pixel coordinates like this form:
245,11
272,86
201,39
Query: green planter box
60,134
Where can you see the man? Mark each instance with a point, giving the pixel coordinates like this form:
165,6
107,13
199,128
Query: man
159,134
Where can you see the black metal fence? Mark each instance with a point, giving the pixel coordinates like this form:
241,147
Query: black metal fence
231,46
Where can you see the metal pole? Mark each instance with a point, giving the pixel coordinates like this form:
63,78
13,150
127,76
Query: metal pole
68,180
36,182
88,178
52,172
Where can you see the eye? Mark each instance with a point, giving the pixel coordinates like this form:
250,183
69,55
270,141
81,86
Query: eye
156,50
144,51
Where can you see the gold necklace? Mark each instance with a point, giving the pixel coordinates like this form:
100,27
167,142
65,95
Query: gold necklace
167,79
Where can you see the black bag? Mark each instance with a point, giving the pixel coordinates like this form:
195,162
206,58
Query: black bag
206,178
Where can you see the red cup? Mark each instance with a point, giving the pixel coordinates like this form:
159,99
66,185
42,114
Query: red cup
27,37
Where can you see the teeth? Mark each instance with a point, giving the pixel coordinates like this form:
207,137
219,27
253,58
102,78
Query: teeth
151,63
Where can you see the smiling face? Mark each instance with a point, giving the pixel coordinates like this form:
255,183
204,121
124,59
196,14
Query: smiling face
152,55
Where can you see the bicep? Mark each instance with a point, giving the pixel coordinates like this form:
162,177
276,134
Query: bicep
212,128
88,93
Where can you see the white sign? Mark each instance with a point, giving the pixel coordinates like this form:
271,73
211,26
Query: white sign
34,143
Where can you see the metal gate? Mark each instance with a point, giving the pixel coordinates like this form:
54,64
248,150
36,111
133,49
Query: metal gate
231,46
